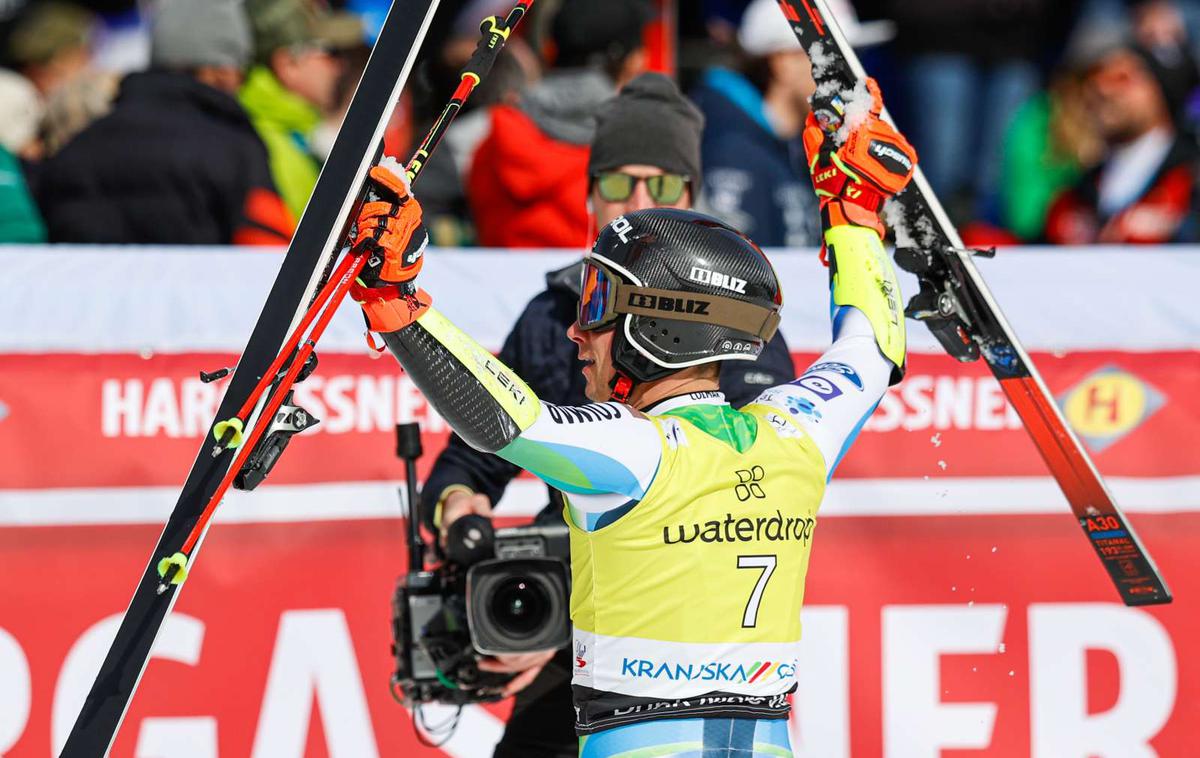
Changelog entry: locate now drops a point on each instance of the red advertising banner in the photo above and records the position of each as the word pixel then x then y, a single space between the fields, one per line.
pixel 123 420
pixel 924 636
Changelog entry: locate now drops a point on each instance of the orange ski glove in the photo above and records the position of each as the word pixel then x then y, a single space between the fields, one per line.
pixel 852 181
pixel 389 231
pixel 389 228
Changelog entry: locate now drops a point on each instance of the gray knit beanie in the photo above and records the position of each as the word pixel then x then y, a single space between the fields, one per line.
pixel 649 123
pixel 192 33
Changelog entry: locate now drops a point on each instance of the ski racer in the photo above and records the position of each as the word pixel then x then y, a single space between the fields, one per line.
pixel 645 154
pixel 691 522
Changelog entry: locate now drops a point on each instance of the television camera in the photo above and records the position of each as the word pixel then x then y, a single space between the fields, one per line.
pixel 495 591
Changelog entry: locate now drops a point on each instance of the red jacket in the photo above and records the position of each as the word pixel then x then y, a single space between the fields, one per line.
pixel 526 189
pixel 1164 212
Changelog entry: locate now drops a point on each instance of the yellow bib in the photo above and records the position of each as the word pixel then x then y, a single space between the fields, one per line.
pixel 697 590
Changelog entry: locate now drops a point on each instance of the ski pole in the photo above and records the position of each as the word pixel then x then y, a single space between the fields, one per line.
pixel 230 433
pixel 494 33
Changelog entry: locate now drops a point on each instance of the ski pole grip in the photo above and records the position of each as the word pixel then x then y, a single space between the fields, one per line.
pixel 495 34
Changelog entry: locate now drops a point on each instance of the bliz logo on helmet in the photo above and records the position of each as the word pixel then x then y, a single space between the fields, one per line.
pixel 890 157
pixel 668 304
pixel 717 279
pixel 622 227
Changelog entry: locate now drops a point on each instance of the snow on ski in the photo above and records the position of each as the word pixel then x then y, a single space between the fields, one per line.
pixel 305 269
pixel 957 306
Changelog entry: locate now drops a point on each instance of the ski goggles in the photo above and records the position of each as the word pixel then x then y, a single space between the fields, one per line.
pixel 604 297
pixel 615 187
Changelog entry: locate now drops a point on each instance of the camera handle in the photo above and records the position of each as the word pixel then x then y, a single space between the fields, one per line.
pixel 408 447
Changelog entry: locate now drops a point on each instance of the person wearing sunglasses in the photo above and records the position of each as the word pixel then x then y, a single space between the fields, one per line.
pixel 645 154
pixel 691 522
pixel 662 189
pixel 294 80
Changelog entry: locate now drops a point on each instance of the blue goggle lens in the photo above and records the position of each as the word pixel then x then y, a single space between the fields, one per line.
pixel 594 293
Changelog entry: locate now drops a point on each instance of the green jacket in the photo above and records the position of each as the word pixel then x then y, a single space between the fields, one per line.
pixel 19 219
pixel 284 121
pixel 1033 172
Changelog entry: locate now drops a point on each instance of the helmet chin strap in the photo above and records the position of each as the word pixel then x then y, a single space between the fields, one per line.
pixel 621 386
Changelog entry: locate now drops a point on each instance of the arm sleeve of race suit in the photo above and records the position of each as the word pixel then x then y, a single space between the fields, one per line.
pixel 534 348
pixel 602 455
pixel 836 395
pixel 862 278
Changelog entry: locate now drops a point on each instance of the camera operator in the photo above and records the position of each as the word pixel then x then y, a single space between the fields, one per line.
pixel 645 154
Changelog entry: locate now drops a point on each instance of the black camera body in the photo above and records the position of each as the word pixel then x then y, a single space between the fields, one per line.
pixel 502 591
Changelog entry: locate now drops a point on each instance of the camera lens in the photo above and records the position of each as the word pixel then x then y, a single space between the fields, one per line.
pixel 519 606
pixel 515 605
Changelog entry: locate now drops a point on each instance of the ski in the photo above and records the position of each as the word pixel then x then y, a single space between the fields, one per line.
pixel 956 305
pixel 257 417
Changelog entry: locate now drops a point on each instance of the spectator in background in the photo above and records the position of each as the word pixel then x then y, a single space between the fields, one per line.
pixel 1049 144
pixel 444 199
pixel 969 65
pixel 352 60
pixel 51 44
pixel 1159 27
pixel 21 106
pixel 1144 189
pixel 19 220
pixel 528 181
pixel 177 161
pixel 755 173
pixel 651 132
pixel 1158 24
pixel 443 192
pixel 71 107
pixel 293 82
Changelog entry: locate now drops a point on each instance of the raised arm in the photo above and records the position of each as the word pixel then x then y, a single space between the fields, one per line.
pixel 603 454
pixel 461 476
pixel 837 394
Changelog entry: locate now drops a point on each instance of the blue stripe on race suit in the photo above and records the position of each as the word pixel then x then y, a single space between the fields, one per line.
pixel 573 469
pixel 601 455
pixel 850 440
pixel 604 473
pixel 836 314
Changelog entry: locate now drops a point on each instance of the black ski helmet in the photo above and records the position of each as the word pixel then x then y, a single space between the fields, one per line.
pixel 681 288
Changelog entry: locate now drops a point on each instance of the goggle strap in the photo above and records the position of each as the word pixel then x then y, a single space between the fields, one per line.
pixel 691 306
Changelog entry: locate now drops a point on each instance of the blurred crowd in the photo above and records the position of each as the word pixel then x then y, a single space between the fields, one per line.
pixel 207 121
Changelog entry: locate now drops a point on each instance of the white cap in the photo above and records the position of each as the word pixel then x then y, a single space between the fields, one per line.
pixel 764 30
pixel 22 108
